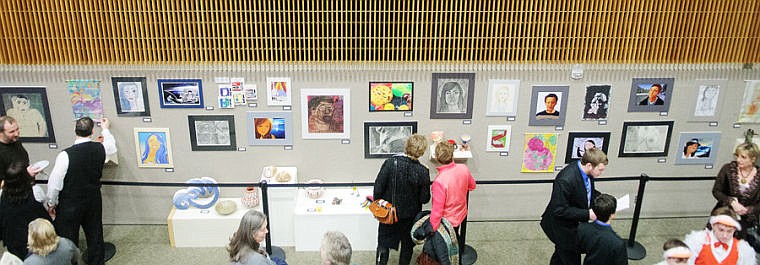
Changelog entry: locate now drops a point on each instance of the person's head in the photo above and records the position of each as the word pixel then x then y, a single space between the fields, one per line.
pixel 263 126
pixel 691 147
pixel 654 91
pixel 249 235
pixel 335 249
pixel 594 162
pixel 42 238
pixel 20 102
pixel 724 227
pixel 551 102
pixel 84 127
pixel 322 107
pixel 17 185
pixel 155 143
pixel 588 144
pixel 676 252
pixel 604 207
pixel 9 133
pixel 129 91
pixel 444 152
pixel 709 92
pixel 415 146
pixel 746 154
pixel 452 96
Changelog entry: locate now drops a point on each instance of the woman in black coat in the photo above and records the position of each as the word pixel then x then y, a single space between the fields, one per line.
pixel 404 182
pixel 18 208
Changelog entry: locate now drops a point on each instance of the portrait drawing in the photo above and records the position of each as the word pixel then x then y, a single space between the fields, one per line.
pixel 153 146
pixel 29 106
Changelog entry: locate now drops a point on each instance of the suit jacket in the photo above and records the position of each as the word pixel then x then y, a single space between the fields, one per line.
pixel 601 245
pixel 568 206
pixel 645 102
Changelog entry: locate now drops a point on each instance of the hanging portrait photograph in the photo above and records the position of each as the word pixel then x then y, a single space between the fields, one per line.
pixel 579 142
pixel 270 127
pixel 391 96
pixel 385 139
pixel 181 93
pixel 29 106
pixel 212 132
pixel 502 97
pixel 153 147
pixel 645 139
pixel 650 94
pixel 596 102
pixel 452 95
pixel 548 105
pixel 325 113
pixel 131 96
pixel 697 148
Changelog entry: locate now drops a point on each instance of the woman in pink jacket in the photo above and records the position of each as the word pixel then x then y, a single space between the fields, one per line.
pixel 450 189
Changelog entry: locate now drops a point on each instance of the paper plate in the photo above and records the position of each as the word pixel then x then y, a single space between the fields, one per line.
pixel 42 164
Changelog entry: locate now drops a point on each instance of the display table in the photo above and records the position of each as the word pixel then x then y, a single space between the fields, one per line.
pixel 315 217
pixel 204 227
pixel 282 201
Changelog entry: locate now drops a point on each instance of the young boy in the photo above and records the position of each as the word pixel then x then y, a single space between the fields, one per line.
pixel 717 245
pixel 602 245
pixel 676 252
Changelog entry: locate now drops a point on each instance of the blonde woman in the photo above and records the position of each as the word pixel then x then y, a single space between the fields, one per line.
pixel 47 248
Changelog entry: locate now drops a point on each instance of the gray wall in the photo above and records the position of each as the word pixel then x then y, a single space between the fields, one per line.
pixel 336 162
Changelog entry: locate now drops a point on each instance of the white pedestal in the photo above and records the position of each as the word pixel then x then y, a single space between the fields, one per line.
pixel 315 217
pixel 282 201
pixel 204 227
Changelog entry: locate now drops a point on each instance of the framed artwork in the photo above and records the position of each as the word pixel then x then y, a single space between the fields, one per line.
pixel 539 152
pixel 646 138
pixel 548 105
pixel 452 95
pixel 325 114
pixel 596 102
pixel 270 127
pixel 750 103
pixel 181 93
pixel 279 91
pixel 579 142
pixel 697 148
pixel 502 97
pixel 153 147
pixel 29 106
pixel 212 132
pixel 131 96
pixel 499 138
pixel 708 98
pixel 385 139
pixel 85 98
pixel 391 96
pixel 650 94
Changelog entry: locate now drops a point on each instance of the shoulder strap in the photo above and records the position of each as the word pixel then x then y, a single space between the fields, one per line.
pixel 395 172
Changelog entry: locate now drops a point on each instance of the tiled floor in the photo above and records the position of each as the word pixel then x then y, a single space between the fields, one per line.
pixel 512 242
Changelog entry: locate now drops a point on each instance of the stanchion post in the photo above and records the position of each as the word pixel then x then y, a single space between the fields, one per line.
pixel 636 251
pixel 265 207
pixel 467 255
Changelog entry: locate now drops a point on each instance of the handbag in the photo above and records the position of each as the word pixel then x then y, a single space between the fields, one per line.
pixel 425 259
pixel 384 211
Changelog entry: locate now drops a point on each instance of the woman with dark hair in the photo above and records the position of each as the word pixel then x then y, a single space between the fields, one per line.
pixel 690 149
pixel 451 99
pixel 263 128
pixel 17 208
pixel 244 247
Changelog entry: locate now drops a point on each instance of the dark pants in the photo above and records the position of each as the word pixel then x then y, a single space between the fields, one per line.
pixel 87 213
pixel 390 236
pixel 565 256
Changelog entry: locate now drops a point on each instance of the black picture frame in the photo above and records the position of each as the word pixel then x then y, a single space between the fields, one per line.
pixel 212 132
pixel 180 93
pixel 126 107
pixel 377 145
pixel 32 120
pixel 443 82
pixel 645 139
pixel 399 98
pixel 576 140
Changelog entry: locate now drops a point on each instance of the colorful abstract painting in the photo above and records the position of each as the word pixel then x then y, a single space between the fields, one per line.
pixel 750 103
pixel 540 152
pixel 84 95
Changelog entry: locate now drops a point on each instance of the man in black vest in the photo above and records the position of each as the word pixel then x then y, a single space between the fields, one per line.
pixel 74 188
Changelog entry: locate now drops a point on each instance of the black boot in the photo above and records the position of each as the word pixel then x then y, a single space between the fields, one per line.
pixel 381 256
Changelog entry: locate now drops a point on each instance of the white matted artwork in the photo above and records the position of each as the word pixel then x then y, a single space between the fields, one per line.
pixel 697 148
pixel 499 138
pixel 325 113
pixel 750 103
pixel 279 91
pixel 502 97
pixel 707 99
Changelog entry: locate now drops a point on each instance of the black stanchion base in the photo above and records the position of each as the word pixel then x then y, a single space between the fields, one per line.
pixel 109 250
pixel 469 255
pixel 635 251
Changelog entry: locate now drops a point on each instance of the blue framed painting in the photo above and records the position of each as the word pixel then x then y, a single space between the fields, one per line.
pixel 180 93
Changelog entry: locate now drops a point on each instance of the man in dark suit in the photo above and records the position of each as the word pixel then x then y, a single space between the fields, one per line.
pixel 654 96
pixel 572 193
pixel 600 243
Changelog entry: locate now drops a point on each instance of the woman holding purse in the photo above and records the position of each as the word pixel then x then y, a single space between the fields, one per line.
pixel 404 182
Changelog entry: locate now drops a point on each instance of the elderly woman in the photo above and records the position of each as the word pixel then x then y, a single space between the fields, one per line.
pixel 335 249
pixel 404 182
pixel 244 244
pixel 737 185
pixel 46 247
